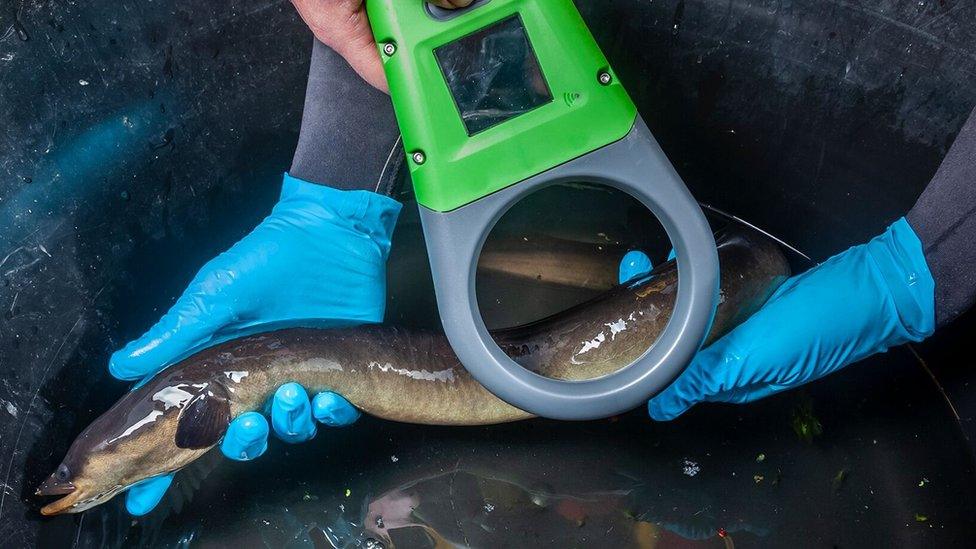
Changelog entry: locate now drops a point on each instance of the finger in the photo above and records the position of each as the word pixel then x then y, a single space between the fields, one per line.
pixel 451 4
pixel 246 438
pixel 188 324
pixel 747 364
pixel 145 495
pixel 365 60
pixel 291 414
pixel 710 373
pixel 634 264
pixel 334 410
pixel 677 399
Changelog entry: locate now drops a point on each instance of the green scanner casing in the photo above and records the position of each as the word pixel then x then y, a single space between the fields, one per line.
pixel 498 100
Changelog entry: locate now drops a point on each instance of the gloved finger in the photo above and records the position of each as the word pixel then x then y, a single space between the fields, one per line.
pixel 191 321
pixel 334 410
pixel 635 263
pixel 246 438
pixel 749 363
pixel 699 382
pixel 291 414
pixel 677 399
pixel 145 495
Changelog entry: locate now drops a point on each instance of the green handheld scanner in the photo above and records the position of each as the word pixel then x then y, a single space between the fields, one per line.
pixel 498 100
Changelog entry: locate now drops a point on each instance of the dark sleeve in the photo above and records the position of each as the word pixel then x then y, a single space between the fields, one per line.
pixel 349 138
pixel 945 220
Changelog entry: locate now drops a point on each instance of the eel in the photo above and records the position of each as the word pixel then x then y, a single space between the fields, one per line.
pixel 389 372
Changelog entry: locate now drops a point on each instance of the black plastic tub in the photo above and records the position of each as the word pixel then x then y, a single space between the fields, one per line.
pixel 137 140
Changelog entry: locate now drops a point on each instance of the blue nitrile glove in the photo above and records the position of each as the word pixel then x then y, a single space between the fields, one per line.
pixel 319 260
pixel 855 304
pixel 634 263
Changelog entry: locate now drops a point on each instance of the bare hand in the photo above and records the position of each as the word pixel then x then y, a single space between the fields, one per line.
pixel 343 26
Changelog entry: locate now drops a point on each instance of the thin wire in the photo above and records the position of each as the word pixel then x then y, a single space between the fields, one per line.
pixel 379 181
pixel 737 219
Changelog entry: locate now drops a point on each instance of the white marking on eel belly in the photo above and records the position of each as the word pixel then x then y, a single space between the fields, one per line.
pixel 236 376
pixel 444 376
pixel 589 346
pixel 616 327
pixel 173 396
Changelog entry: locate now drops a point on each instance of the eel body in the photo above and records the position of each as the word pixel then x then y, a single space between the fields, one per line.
pixel 389 372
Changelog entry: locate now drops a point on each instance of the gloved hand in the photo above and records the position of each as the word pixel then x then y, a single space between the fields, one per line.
pixel 319 259
pixel 855 304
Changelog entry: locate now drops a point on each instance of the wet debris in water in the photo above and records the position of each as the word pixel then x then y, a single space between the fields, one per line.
pixel 758 478
pixel 690 468
pixel 839 479
pixel 760 458
pixel 805 424
pixel 21 31
pixel 923 482
pixel 165 141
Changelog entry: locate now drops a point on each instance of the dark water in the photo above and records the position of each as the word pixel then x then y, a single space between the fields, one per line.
pixel 889 469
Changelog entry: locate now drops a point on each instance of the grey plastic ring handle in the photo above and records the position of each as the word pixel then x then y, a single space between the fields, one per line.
pixel 637 165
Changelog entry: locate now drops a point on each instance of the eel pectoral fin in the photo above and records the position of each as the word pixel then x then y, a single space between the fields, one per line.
pixel 204 420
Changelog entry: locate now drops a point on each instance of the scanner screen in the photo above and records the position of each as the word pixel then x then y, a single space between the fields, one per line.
pixel 493 74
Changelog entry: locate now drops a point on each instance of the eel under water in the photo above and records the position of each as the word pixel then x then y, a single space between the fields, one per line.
pixel 389 372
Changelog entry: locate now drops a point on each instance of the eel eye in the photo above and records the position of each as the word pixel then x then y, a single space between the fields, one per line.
pixel 62 474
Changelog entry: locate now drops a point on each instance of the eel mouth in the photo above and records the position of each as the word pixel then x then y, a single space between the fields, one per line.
pixel 62 505
pixel 75 499
pixel 53 486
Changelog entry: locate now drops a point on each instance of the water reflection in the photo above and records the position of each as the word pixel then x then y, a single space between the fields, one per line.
pixel 718 477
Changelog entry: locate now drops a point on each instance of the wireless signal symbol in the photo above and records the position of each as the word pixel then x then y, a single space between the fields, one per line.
pixel 571 98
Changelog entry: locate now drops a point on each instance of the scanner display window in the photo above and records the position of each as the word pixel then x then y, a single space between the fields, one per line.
pixel 493 74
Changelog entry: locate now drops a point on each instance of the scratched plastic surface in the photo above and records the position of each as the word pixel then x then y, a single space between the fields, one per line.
pixel 138 139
